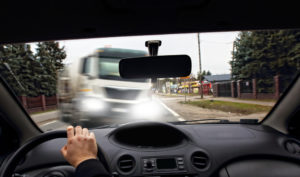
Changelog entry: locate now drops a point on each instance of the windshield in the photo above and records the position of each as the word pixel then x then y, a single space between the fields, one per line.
pixel 237 77
pixel 109 69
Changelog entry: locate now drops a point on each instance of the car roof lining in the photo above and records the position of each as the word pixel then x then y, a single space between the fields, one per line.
pixel 39 21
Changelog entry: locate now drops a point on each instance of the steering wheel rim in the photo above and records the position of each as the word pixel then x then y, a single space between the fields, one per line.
pixel 11 164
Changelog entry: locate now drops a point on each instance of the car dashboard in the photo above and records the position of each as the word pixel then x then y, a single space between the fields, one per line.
pixel 162 149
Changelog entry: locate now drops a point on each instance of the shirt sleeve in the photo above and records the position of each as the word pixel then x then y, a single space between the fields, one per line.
pixel 91 168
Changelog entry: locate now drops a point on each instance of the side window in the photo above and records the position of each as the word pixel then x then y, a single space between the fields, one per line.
pixel 87 67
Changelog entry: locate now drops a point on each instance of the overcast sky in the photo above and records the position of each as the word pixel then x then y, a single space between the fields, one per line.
pixel 215 48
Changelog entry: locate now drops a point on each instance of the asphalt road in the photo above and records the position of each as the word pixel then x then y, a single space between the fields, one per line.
pixel 169 110
pixel 50 120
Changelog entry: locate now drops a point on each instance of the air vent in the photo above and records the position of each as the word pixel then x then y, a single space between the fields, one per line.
pixel 200 160
pixel 126 163
pixel 292 147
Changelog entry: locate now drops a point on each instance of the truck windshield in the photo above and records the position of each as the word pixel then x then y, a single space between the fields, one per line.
pixel 109 69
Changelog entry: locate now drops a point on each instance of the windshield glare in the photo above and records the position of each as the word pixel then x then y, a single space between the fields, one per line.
pixel 236 77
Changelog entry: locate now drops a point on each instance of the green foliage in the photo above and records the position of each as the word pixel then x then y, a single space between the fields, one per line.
pixel 50 57
pixel 204 73
pixel 264 54
pixel 11 56
pixel 27 74
pixel 37 74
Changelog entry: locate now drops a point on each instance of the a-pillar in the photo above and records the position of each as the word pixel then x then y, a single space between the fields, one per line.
pixel 24 101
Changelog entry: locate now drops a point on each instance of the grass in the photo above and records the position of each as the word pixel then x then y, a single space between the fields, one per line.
pixel 263 100
pixel 227 106
pixel 180 94
pixel 189 94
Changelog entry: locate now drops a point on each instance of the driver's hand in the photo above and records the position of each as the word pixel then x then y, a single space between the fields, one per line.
pixel 81 146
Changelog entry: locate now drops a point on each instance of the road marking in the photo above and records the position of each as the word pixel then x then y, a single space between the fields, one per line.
pixel 167 108
pixel 181 119
pixel 51 122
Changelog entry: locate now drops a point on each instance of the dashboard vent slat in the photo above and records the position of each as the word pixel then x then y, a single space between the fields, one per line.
pixel 204 158
pixel 124 167
pixel 126 163
pixel 198 163
pixel 200 160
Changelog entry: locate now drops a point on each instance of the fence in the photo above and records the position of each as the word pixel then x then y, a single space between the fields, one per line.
pixel 245 89
pixel 252 89
pixel 39 103
pixel 246 86
pixel 222 89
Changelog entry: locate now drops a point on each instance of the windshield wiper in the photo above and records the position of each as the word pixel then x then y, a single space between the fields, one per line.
pixel 107 126
pixel 14 76
pixel 200 120
pixel 211 120
pixel 221 121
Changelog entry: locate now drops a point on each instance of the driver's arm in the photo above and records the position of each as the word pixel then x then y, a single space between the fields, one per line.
pixel 81 152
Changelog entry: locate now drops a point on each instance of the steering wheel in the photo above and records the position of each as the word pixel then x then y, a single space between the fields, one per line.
pixel 11 164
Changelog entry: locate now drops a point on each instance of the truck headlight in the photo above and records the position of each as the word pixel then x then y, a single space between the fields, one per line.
pixel 92 104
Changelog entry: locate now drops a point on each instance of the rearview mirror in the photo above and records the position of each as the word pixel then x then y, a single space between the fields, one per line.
pixel 155 67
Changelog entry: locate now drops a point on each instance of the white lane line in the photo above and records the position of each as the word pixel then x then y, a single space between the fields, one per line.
pixel 169 109
pixel 51 122
pixel 181 119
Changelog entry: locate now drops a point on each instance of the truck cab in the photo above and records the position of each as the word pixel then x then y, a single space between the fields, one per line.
pixel 99 94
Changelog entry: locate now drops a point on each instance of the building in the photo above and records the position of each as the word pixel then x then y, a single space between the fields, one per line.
pixel 217 78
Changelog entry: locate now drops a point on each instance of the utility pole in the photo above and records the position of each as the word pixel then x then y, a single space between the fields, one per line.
pixel 200 66
pixel 232 58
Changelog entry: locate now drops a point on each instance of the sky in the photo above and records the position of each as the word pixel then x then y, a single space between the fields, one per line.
pixel 215 48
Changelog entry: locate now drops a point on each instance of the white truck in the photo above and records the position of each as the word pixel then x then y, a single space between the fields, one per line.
pixel 91 89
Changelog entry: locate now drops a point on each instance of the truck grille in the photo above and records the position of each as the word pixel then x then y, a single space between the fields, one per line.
pixel 123 94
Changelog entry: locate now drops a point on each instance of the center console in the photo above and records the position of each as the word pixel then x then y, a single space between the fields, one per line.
pixel 163 165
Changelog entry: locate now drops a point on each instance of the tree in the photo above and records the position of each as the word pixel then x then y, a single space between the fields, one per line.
pixel 11 61
pixel 241 55
pixel 204 73
pixel 51 57
pixel 47 76
pixel 28 74
pixel 264 54
pixel 57 54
